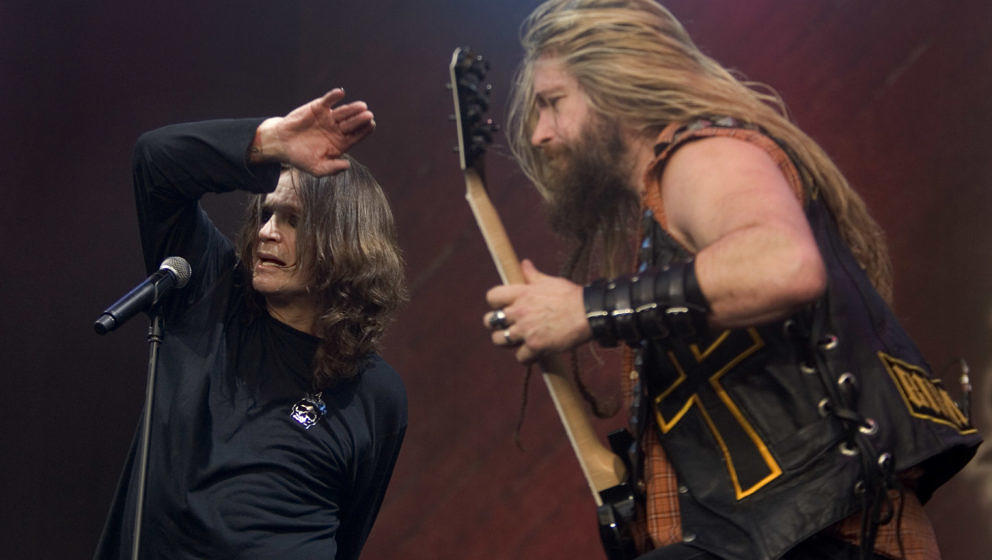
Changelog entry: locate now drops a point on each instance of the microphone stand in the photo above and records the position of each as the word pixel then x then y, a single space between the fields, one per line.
pixel 154 340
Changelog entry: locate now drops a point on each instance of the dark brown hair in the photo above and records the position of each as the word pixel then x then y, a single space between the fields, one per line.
pixel 346 232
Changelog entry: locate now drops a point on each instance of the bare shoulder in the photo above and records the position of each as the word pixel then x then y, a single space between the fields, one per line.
pixel 716 155
pixel 714 185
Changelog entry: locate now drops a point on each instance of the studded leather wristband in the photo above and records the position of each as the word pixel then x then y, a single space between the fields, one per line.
pixel 598 315
pixel 651 305
pixel 649 313
pixel 685 308
pixel 624 317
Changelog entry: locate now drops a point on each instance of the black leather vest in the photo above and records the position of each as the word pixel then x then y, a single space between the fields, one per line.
pixel 779 431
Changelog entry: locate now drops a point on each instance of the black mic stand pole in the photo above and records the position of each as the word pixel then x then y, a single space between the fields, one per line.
pixel 154 340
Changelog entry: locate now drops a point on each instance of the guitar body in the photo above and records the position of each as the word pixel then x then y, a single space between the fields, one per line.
pixel 603 468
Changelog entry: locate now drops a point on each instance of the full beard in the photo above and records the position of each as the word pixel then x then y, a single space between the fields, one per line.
pixel 590 195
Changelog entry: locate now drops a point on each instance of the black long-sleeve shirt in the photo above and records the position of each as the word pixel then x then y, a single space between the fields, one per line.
pixel 232 473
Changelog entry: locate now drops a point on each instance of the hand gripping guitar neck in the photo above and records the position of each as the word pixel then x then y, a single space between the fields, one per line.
pixel 603 469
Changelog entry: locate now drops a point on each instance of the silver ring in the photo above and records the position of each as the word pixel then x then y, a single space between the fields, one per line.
pixel 498 320
pixel 506 337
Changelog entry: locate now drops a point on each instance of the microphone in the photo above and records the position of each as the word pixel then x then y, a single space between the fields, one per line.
pixel 173 273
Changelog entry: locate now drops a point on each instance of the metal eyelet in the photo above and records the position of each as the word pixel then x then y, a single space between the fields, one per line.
pixel 829 342
pixel 847 379
pixel 847 448
pixel 824 407
pixel 859 488
pixel 869 428
pixel 885 462
pixel 806 368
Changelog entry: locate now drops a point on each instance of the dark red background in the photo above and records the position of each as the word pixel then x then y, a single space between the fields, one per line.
pixel 898 91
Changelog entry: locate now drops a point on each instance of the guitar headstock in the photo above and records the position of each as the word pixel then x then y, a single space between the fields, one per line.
pixel 471 96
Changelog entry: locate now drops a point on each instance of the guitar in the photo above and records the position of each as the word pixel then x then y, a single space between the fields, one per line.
pixel 603 469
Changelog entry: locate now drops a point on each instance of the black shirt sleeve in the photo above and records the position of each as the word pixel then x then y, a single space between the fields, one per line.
pixel 173 167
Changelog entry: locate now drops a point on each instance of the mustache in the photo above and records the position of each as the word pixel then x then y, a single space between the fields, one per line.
pixel 553 152
pixel 587 184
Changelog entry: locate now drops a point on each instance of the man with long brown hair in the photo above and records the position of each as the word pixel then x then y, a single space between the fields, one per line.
pixel 780 409
pixel 276 424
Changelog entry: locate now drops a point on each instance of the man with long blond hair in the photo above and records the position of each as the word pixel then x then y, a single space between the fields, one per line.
pixel 276 424
pixel 780 410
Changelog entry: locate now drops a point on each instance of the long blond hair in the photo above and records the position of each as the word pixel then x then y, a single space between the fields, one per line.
pixel 639 67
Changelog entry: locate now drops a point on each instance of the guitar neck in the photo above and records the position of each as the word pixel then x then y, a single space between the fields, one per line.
pixel 600 466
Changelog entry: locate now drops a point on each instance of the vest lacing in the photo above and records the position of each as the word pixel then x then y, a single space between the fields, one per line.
pixel 841 403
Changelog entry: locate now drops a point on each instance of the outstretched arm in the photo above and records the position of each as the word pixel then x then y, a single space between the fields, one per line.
pixel 314 136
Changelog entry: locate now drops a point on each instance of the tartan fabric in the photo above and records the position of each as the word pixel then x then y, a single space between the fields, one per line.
pixel 662 523
pixel 662 503
pixel 918 539
pixel 662 519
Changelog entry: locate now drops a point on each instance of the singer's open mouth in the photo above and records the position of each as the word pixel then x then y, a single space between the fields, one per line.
pixel 270 260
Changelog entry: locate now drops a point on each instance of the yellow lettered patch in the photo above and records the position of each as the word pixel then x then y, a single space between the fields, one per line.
pixel 925 397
